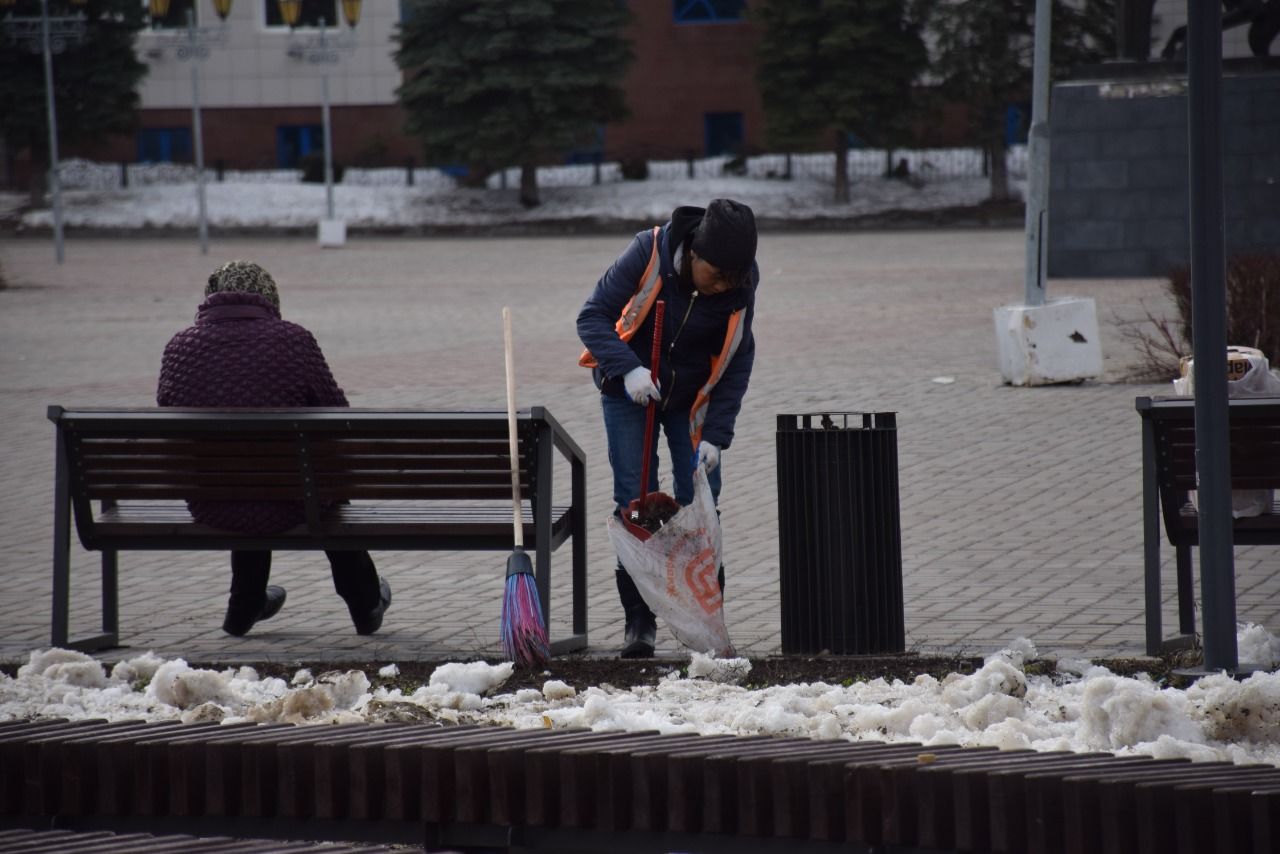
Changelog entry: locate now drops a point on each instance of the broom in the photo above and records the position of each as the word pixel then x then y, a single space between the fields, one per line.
pixel 524 634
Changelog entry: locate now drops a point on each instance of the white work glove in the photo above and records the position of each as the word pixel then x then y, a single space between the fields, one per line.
pixel 708 455
pixel 640 386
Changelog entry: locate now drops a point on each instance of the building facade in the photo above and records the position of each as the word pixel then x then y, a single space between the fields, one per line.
pixel 691 90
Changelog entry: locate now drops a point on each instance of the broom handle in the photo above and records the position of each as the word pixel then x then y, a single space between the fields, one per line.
pixel 516 517
pixel 654 356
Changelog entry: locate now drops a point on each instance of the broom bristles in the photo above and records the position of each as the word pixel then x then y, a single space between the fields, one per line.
pixel 524 635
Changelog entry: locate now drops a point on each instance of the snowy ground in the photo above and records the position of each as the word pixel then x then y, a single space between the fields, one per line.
pixel 164 196
pixel 1082 707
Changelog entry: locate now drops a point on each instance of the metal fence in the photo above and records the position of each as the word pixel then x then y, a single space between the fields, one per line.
pixel 931 164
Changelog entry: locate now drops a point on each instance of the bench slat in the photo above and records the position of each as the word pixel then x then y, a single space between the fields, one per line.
pixel 186 463
pixel 88 447
pixel 461 445
pixel 254 479
pixel 400 463
pixel 484 520
pixel 190 492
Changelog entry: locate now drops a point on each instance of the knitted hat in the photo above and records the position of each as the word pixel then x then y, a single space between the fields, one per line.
pixel 726 237
pixel 244 277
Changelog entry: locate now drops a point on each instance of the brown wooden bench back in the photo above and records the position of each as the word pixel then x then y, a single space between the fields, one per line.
pixel 275 465
pixel 319 457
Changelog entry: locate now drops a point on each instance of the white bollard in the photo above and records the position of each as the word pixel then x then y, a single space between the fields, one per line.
pixel 332 233
pixel 1057 342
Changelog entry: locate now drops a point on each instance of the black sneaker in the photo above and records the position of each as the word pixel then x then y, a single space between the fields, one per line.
pixel 370 621
pixel 238 624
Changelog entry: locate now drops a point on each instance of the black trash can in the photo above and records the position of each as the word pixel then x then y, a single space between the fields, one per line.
pixel 839 533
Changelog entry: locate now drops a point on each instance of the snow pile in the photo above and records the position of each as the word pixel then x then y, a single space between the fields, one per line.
pixel 1080 707
pixel 163 195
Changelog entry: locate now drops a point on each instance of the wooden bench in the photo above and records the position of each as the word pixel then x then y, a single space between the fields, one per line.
pixel 1169 473
pixel 415 481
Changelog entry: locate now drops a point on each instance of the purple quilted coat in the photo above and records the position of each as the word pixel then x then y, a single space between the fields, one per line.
pixel 240 353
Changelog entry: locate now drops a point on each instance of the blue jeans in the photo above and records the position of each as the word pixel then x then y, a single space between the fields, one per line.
pixel 624 427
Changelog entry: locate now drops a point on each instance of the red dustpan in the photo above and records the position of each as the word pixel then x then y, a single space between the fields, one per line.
pixel 646 514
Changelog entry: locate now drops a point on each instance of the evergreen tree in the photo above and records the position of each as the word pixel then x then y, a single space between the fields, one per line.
pixel 498 82
pixel 842 65
pixel 984 55
pixel 94 81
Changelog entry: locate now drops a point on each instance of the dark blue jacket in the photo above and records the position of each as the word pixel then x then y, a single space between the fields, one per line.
pixel 693 330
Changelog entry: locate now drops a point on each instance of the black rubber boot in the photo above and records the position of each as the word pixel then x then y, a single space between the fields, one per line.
pixel 642 626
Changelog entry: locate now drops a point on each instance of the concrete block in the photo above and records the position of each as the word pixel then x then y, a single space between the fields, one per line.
pixel 1160 233
pixel 1133 144
pixel 1123 263
pixel 332 233
pixel 1068 206
pixel 1068 147
pixel 1057 342
pixel 1160 173
pixel 1098 175
pixel 1089 235
pixel 1057 177
pixel 1237 106
pixel 1121 204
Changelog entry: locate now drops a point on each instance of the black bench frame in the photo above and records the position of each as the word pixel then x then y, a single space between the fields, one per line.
pixel 452 489
pixel 1169 472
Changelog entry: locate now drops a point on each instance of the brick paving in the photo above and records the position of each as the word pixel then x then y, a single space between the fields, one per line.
pixel 1020 507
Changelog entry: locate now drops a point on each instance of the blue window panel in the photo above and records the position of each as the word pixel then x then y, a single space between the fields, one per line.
pixel 164 145
pixel 723 132
pixel 1017 122
pixel 294 142
pixel 707 11
pixel 588 153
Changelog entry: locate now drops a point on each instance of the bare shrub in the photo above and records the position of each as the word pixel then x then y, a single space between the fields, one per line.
pixel 1253 316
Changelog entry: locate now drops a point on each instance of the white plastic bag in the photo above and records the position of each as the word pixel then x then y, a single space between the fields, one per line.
pixel 675 570
pixel 1258 381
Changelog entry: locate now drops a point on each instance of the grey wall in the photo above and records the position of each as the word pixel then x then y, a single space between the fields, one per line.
pixel 1118 177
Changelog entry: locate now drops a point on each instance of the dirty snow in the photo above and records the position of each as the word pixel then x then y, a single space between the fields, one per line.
pixel 1081 707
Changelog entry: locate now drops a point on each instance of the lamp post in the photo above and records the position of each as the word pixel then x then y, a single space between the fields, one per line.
pixel 48 35
pixel 324 51
pixel 193 47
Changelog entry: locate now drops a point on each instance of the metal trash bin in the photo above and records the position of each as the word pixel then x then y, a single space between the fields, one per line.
pixel 839 533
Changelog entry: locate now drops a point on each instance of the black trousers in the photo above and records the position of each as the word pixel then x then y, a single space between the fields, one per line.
pixel 354 577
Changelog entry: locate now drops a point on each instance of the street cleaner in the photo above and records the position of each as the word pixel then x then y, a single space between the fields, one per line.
pixel 701 265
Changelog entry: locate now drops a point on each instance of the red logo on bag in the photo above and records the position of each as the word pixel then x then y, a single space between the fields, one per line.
pixel 698 574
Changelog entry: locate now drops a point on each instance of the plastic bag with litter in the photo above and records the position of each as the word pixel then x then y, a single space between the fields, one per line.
pixel 675 570
pixel 1256 379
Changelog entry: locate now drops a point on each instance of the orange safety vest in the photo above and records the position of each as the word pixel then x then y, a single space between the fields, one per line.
pixel 633 316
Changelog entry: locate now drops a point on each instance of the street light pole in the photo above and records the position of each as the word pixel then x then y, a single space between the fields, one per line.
pixel 1037 213
pixel 328 137
pixel 55 180
pixel 198 130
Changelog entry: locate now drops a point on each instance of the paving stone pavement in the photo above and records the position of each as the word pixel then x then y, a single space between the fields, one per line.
pixel 1020 507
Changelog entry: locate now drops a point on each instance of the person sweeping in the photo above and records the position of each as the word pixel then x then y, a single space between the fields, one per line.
pixel 702 264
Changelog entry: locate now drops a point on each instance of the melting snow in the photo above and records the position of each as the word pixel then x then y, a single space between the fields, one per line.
pixel 1081 707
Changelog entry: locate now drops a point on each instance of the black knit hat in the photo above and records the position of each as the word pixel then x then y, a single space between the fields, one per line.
pixel 726 237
